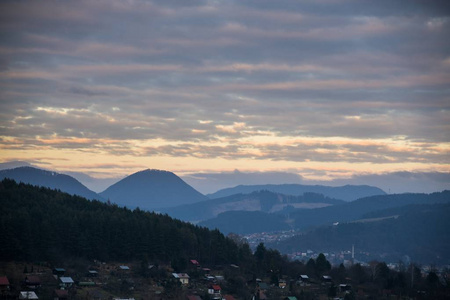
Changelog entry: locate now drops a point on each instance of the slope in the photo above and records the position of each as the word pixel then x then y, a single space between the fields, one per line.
pixel 420 231
pixel 48 225
pixel 49 179
pixel 152 189
pixel 308 218
pixel 262 201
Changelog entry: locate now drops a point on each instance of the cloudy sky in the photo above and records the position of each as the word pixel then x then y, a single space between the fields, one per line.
pixel 323 89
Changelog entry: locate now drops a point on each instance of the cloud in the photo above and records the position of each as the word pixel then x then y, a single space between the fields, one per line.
pixel 134 78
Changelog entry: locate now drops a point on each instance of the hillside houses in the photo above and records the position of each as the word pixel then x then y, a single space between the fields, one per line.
pixel 221 283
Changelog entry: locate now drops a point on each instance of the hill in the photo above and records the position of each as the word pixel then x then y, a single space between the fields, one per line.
pixel 357 209
pixel 308 218
pixel 346 193
pixel 246 222
pixel 49 179
pixel 44 224
pixel 262 201
pixel 420 231
pixel 152 190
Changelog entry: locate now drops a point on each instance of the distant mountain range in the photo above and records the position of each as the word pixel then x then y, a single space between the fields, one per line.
pixel 304 219
pixel 346 193
pixel 152 190
pixel 259 201
pixel 49 179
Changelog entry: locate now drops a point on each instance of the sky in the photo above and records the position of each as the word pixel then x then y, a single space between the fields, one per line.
pixel 307 91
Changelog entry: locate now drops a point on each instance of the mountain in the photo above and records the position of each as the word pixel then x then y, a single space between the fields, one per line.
pixel 262 201
pixel 49 179
pixel 309 218
pixel 419 231
pixel 346 192
pixel 152 189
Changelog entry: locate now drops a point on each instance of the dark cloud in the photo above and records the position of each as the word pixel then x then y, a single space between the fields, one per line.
pixel 204 76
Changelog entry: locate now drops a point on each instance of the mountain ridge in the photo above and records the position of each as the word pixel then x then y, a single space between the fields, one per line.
pixel 350 211
pixel 262 201
pixel 49 179
pixel 346 192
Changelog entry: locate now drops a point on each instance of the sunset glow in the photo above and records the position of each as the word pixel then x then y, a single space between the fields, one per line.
pixel 323 89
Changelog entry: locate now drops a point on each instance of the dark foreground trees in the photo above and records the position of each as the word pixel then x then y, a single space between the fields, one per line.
pixel 44 224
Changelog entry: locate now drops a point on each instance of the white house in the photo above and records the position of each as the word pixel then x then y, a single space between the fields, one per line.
pixel 183 277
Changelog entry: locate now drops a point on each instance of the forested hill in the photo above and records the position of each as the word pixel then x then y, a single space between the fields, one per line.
pixel 420 231
pixel 43 224
pixel 262 201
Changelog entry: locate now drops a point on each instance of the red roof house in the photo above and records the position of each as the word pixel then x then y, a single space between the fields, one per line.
pixel 4 283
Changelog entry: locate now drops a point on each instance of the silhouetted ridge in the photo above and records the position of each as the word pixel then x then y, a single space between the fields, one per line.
pixel 152 189
pixel 346 192
pixel 49 179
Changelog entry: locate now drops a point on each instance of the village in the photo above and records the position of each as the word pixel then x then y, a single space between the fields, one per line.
pixel 115 281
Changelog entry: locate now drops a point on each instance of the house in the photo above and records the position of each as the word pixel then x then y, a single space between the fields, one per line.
pixel 304 278
pixel 193 297
pixel 290 298
pixel 345 287
pixel 183 277
pixel 228 297
pixel 28 295
pixel 214 289
pixel 58 272
pixel 92 273
pixel 124 268
pixel 206 271
pixel 65 282
pixel 281 283
pixel 32 282
pixel 326 279
pixel 60 294
pixel 4 283
pixel 195 263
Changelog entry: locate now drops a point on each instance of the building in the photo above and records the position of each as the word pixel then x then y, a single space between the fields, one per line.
pixel 58 272
pixel 183 277
pixel 215 291
pixel 66 282
pixel 32 282
pixel 28 295
pixel 4 283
